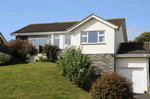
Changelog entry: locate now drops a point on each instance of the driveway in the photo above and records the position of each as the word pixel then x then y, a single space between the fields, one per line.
pixel 141 96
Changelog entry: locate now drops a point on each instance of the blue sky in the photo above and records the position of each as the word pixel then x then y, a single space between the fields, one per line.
pixel 15 14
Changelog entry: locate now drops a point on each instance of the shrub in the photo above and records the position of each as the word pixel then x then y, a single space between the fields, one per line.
pixel 33 51
pixel 76 67
pixel 51 52
pixel 19 44
pixel 3 59
pixel 21 48
pixel 145 92
pixel 112 86
pixel 20 54
pixel 42 59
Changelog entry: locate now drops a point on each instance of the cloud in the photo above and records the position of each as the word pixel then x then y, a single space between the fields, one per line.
pixel 134 31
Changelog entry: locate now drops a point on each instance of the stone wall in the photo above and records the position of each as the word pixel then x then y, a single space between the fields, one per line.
pixel 102 63
pixel 7 55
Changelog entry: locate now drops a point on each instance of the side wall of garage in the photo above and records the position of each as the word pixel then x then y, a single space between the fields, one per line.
pixel 136 70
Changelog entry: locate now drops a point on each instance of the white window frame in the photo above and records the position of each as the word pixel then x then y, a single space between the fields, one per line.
pixel 101 35
pixel 65 38
pixel 57 38
pixel 49 41
pixel 87 36
pixel 84 36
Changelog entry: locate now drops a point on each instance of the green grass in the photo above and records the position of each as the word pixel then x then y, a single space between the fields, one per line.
pixel 149 90
pixel 37 80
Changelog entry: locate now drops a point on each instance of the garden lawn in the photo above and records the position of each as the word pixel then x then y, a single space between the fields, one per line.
pixel 149 90
pixel 37 80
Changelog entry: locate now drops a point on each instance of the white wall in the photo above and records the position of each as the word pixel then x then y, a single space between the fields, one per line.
pixel 62 40
pixel 61 36
pixel 112 39
pixel 143 63
pixel 93 25
pixel 118 38
pixel 130 62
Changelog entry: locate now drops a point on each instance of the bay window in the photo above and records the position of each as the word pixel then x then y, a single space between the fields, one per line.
pixel 92 37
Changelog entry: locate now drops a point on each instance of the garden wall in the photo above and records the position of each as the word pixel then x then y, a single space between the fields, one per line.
pixel 102 63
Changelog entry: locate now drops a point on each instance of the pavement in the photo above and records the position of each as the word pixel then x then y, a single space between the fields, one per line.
pixel 141 96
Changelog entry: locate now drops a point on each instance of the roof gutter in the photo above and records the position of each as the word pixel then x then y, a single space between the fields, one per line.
pixel 132 55
pixel 38 33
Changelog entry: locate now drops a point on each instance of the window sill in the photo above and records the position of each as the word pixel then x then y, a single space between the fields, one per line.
pixel 93 43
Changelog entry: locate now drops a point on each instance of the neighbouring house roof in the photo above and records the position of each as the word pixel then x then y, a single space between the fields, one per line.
pixel 134 48
pixel 2 39
pixel 59 26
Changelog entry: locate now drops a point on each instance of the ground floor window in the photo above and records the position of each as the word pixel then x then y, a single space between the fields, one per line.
pixel 57 40
pixel 36 41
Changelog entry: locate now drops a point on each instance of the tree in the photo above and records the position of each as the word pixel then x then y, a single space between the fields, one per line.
pixel 144 37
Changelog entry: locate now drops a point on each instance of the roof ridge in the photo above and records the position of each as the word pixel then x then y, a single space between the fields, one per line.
pixel 114 19
pixel 54 22
pixel 71 21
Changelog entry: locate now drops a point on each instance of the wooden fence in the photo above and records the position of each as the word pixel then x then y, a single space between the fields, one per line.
pixel 5 49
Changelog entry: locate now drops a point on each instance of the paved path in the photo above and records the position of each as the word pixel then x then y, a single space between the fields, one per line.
pixel 141 96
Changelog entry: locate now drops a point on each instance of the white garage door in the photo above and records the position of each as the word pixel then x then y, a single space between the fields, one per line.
pixel 136 76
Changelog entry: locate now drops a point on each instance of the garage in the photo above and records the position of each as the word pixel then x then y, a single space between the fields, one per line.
pixel 136 76
pixel 132 62
pixel 136 69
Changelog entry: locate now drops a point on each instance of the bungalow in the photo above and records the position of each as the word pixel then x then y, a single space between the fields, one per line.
pixel 103 40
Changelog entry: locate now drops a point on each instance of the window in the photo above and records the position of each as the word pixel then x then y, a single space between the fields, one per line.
pixel 40 41
pixel 93 37
pixel 49 40
pixel 84 37
pixel 68 39
pixel 36 41
pixel 57 40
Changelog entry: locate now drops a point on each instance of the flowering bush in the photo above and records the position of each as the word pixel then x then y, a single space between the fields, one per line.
pixel 19 44
pixel 112 86
pixel 76 67
pixel 21 48
pixel 22 45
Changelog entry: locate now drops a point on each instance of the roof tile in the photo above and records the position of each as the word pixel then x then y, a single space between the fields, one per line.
pixel 58 26
pixel 134 48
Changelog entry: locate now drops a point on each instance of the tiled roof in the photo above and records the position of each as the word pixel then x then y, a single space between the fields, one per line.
pixel 134 48
pixel 46 27
pixel 58 26
pixel 117 21
pixel 2 38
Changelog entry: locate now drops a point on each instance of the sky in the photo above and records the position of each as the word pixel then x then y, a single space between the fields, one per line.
pixel 15 14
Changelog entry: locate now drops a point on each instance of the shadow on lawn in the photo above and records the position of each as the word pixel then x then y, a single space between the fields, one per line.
pixel 9 64
pixel 13 61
